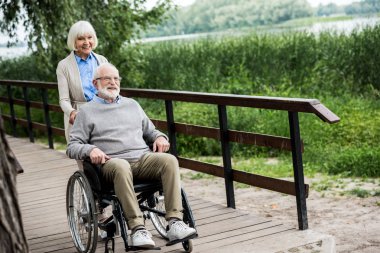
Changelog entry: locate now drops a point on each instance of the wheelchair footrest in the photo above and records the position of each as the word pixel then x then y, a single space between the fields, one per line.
pixel 109 226
pixel 135 248
pixel 182 240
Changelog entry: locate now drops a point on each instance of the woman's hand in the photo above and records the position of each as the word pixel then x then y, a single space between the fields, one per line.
pixel 161 145
pixel 73 114
pixel 98 157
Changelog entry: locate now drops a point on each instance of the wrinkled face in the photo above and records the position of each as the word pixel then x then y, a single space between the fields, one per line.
pixel 84 44
pixel 108 83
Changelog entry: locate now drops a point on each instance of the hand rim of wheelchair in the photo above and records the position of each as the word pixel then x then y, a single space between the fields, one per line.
pixel 82 219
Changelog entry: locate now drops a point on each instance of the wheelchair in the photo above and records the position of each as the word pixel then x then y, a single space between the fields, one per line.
pixel 87 192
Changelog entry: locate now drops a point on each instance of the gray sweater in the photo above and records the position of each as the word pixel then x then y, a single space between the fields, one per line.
pixel 120 130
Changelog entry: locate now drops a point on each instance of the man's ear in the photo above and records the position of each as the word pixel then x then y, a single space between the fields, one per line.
pixel 95 83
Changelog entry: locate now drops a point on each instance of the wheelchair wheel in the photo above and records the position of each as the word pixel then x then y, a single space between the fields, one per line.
pixel 188 217
pixel 188 245
pixel 81 213
pixel 157 202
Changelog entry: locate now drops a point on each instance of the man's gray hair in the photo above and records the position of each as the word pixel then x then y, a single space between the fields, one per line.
pixel 81 28
pixel 102 65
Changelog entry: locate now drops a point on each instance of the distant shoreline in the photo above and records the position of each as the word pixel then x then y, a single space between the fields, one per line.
pixel 345 26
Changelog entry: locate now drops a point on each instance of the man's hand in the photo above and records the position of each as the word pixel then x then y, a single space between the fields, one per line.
pixel 161 145
pixel 98 157
pixel 73 114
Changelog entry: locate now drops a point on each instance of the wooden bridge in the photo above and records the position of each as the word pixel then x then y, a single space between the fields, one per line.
pixel 222 229
pixel 42 196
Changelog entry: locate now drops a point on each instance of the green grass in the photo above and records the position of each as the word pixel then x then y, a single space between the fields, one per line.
pixel 281 167
pixel 361 193
pixel 276 167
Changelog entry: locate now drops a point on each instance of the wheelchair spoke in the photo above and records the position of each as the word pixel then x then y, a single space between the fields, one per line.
pixel 157 202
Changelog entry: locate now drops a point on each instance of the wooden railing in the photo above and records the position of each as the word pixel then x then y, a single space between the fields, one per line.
pixel 223 134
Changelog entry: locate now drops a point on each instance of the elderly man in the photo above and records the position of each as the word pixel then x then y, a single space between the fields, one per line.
pixel 113 130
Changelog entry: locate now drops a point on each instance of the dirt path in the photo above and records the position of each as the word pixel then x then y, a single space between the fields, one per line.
pixel 353 221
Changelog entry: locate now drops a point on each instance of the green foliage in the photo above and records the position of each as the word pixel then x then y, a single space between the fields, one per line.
pixel 356 161
pixel 297 62
pixel 363 7
pixel 218 15
pixel 25 68
pixel 361 193
pixel 327 10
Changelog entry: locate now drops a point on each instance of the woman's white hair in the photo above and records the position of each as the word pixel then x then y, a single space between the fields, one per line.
pixel 81 28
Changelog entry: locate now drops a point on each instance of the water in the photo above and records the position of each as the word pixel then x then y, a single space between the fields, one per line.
pixel 346 26
pixel 13 52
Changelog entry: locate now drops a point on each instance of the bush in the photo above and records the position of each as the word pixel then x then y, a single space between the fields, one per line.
pixel 356 161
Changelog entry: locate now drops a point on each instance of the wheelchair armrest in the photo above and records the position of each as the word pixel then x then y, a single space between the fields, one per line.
pixel 94 176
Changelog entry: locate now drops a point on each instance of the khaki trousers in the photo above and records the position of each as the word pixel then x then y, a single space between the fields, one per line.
pixel 152 166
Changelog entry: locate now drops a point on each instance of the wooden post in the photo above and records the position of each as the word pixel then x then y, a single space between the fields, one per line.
pixel 298 170
pixel 28 114
pixel 44 95
pixel 226 153
pixel 12 110
pixel 12 235
pixel 171 127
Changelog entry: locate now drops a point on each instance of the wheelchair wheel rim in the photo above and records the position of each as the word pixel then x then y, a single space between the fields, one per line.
pixel 81 214
pixel 158 221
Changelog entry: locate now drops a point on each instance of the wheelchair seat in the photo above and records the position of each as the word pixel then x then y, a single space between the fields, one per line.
pixel 100 186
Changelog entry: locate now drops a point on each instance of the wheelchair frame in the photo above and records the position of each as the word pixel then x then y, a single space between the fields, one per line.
pixel 86 188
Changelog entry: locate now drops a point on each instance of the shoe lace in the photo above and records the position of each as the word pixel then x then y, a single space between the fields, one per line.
pixel 143 233
pixel 179 225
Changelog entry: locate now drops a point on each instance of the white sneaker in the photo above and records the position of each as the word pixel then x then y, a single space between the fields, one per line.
pixel 102 235
pixel 179 230
pixel 142 238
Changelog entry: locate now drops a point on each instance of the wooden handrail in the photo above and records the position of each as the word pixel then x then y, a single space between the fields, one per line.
pixel 263 102
pixel 275 103
pixel 30 84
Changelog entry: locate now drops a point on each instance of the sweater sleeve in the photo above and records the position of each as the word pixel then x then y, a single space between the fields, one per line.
pixel 78 147
pixel 63 90
pixel 150 133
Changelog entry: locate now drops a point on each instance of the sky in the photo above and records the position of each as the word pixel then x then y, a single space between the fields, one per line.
pixel 312 2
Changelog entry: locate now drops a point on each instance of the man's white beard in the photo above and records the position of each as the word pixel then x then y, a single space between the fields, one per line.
pixel 104 93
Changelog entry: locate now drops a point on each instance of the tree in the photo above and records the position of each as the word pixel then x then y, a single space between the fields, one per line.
pixel 219 15
pixel 327 10
pixel 12 235
pixel 47 23
pixel 363 7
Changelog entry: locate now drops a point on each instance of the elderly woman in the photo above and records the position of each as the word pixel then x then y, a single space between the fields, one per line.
pixel 75 72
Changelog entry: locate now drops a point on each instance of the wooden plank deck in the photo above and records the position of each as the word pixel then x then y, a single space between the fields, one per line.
pixel 42 190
